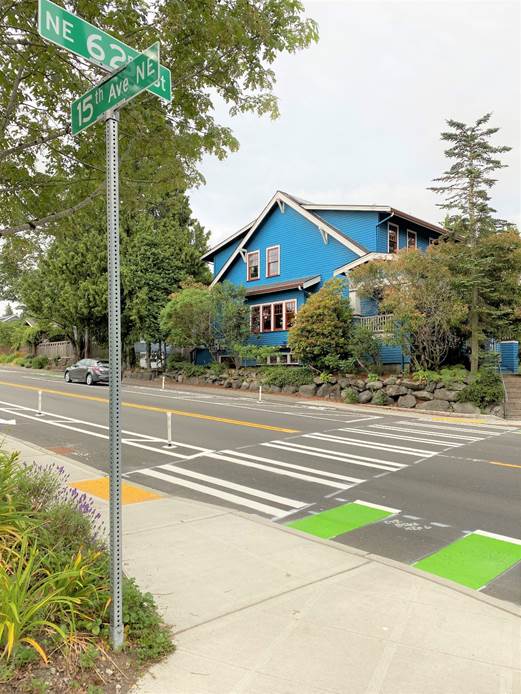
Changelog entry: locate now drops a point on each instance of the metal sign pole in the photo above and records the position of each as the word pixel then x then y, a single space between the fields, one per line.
pixel 116 606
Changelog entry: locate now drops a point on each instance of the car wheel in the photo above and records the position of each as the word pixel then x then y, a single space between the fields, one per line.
pixel 89 380
pixel 67 377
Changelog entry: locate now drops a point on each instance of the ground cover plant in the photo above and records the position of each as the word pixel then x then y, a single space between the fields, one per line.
pixel 54 591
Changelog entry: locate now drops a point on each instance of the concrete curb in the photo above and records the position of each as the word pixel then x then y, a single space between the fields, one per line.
pixel 219 510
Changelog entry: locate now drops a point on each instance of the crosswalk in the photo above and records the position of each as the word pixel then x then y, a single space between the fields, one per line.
pixel 287 475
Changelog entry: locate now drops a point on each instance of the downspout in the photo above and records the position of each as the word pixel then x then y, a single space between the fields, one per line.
pixel 386 219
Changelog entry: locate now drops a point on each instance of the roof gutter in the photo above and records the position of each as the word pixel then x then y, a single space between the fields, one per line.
pixel 386 219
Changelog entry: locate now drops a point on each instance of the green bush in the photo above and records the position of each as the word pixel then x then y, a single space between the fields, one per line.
pixel 485 390
pixel 286 376
pixel 40 362
pixel 380 398
pixel 19 361
pixel 144 626
pixel 189 369
pixel 217 369
pixel 351 396
pixel 173 360
pixel 447 375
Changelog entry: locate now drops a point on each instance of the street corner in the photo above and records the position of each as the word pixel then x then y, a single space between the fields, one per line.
pixel 99 487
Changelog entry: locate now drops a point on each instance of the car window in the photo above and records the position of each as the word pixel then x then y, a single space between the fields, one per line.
pixel 90 362
pixel 82 362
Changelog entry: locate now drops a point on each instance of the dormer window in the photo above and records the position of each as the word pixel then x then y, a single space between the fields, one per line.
pixel 273 261
pixel 253 263
pixel 392 238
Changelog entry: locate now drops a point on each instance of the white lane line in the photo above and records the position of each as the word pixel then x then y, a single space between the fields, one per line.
pixel 440 525
pixel 495 536
pixel 375 445
pixel 450 427
pixel 220 482
pixel 210 491
pixel 470 439
pixel 361 419
pixel 411 517
pixel 378 506
pixel 324 453
pixel 290 513
pixel 365 432
pixel 291 466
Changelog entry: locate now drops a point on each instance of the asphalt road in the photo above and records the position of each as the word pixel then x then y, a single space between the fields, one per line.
pixel 291 460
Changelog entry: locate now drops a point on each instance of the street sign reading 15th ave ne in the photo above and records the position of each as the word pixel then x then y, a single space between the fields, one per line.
pixel 116 90
pixel 78 36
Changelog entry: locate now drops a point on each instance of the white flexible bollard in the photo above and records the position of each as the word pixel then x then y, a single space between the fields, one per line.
pixel 260 394
pixel 39 412
pixel 163 383
pixel 169 443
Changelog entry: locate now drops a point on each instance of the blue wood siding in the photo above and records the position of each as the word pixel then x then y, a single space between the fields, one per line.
pixel 392 355
pixel 303 252
pixel 358 226
pixel 422 234
pixel 223 254
pixel 509 351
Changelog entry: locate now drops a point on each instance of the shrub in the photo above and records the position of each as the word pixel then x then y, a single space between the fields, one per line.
pixel 351 396
pixel 19 361
pixel 217 369
pixel 286 376
pixel 173 360
pixel 143 623
pixel 485 390
pixel 446 375
pixel 380 398
pixel 189 369
pixel 372 377
pixel 40 362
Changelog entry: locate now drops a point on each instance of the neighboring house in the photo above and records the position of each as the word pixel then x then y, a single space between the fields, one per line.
pixel 294 246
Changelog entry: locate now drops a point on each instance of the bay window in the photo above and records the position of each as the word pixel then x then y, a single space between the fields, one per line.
pixel 267 318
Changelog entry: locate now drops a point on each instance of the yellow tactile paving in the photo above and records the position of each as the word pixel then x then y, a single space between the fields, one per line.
pixel 129 493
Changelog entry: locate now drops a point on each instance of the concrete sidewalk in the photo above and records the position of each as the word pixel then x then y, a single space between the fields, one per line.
pixel 261 609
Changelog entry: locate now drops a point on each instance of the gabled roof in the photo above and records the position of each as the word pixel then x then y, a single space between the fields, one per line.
pixel 364 259
pixel 282 198
pixel 225 242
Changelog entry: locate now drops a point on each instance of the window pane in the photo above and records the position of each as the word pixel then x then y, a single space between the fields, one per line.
pixel 266 318
pixel 273 262
pixel 278 316
pixel 393 241
pixel 290 313
pixel 255 319
pixel 411 240
pixel 253 265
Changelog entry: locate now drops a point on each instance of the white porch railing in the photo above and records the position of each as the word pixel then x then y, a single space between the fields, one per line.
pixel 381 323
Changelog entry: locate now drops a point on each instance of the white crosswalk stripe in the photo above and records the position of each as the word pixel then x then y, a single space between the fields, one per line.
pixel 373 445
pixel 316 476
pixel 452 428
pixel 440 434
pixel 334 455
pixel 397 436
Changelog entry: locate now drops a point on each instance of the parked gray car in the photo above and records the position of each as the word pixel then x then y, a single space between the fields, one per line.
pixel 89 371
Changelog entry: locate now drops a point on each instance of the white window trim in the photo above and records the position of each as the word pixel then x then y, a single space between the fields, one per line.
pixel 248 266
pixel 396 228
pixel 272 304
pixel 270 248
pixel 415 233
pixel 432 240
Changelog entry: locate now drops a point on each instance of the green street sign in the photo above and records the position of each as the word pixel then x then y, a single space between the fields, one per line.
pixel 116 90
pixel 78 36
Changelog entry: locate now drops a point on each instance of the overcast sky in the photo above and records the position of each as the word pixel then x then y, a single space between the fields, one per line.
pixel 362 110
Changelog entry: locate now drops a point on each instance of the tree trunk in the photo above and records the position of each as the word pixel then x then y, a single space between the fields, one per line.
pixel 87 343
pixel 474 332
pixel 148 355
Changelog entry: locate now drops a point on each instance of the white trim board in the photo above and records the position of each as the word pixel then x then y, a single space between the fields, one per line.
pixel 364 259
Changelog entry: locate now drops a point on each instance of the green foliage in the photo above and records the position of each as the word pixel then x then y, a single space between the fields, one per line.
pixel 323 326
pixel 485 390
pixel 371 377
pixel 364 347
pixel 189 369
pixel 7 358
pixel 40 362
pixel 286 376
pixel 186 320
pixel 351 396
pixel 230 318
pixel 255 353
pixel 344 366
pixel 217 369
pixel 144 626
pixel 447 375
pixel 380 398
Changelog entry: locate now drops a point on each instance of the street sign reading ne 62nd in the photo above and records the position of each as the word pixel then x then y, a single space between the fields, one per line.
pixel 78 36
pixel 116 90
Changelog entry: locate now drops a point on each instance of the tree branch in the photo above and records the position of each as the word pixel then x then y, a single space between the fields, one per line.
pixel 12 98
pixel 35 143
pixel 43 221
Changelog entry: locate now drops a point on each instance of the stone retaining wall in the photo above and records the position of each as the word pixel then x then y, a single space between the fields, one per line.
pixel 397 391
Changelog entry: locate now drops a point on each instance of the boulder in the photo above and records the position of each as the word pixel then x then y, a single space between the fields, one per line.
pixel 456 385
pixel 423 395
pixel 254 386
pixel 407 401
pixel 343 382
pixel 375 385
pixel 445 394
pixel 391 381
pixel 227 383
pixel 498 411
pixel 274 389
pixel 335 392
pixel 324 390
pixel 394 391
pixel 245 385
pixel 466 408
pixel 350 395
pixel 236 383
pixel 359 383
pixel 308 390
pixel 289 389
pixel 317 380
pixel 435 406
pixel 412 385
pixel 365 396
pixel 380 397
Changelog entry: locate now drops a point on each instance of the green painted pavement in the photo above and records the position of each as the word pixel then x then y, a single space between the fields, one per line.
pixel 473 561
pixel 339 520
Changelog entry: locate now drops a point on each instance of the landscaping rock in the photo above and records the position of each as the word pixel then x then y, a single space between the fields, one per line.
pixel 498 411
pixel 435 405
pixel 358 383
pixel 380 397
pixel 324 390
pixel 445 394
pixel 407 401
pixel 343 382
pixel 394 391
pixel 365 396
pixel 412 385
pixel 423 395
pixel 430 387
pixel 466 408
pixel 375 385
pixel 335 392
pixel 227 384
pixel 236 383
pixel 350 395
pixel 391 381
pixel 317 380
pixel 245 385
pixel 455 385
pixel 308 390
pixel 289 389
pixel 273 389
pixel 254 386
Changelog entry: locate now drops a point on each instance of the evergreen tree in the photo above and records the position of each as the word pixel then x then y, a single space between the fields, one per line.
pixel 465 187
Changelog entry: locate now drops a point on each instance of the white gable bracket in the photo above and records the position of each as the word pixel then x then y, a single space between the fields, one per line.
pixel 324 234
pixel 282 205
pixel 244 254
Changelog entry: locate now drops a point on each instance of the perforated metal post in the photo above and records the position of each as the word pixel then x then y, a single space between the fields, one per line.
pixel 116 607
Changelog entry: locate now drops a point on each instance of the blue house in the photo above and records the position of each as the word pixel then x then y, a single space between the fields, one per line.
pixel 294 246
